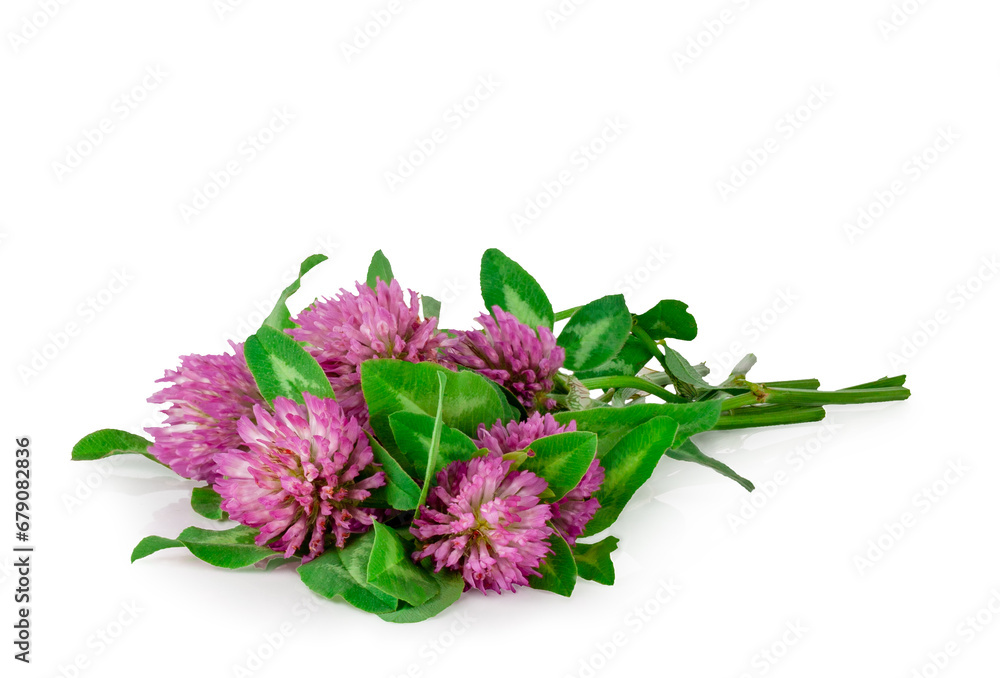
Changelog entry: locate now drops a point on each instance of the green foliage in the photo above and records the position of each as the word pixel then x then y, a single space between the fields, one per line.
pixel 505 284
pixel 108 442
pixel 379 269
pixel 596 333
pixel 392 386
pixel 627 466
pixel 558 569
pixel 280 318
pixel 561 460
pixel 206 502
pixel 281 367
pixel 593 561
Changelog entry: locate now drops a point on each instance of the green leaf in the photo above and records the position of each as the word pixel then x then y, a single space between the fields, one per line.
pixel 627 466
pixel 611 424
pixel 401 492
pixel 682 370
pixel 450 585
pixel 392 386
pixel 281 367
pixel 505 284
pixel 206 502
pixel 344 572
pixel 151 545
pixel 558 569
pixel 688 451
pixel 561 459
pixel 669 319
pixel 392 570
pixel 280 318
pixel 626 363
pixel 232 549
pixel 431 307
pixel 379 269
pixel 414 433
pixel 435 446
pixel 513 410
pixel 593 561
pixel 108 442
pixel 596 333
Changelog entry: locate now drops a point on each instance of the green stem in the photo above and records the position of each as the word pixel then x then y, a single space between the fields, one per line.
pixel 632 382
pixel 568 313
pixel 795 383
pixel 763 393
pixel 739 401
pixel 768 415
pixel 654 348
pixel 881 383
pixel 802 396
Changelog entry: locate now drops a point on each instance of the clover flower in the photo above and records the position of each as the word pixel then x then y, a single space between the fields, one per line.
pixel 485 521
pixel 512 354
pixel 572 512
pixel 208 396
pixel 305 472
pixel 343 332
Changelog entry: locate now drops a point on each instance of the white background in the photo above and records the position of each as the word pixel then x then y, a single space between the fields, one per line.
pixel 645 217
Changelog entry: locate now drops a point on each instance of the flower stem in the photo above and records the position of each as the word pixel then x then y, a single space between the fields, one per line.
pixel 762 393
pixel 768 415
pixel 568 313
pixel 796 383
pixel 632 382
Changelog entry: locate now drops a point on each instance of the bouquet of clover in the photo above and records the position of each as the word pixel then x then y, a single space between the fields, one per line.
pixel 397 464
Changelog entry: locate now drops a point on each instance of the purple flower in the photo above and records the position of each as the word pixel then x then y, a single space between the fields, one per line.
pixel 209 395
pixel 484 520
pixel 572 512
pixel 344 332
pixel 517 435
pixel 305 472
pixel 513 355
